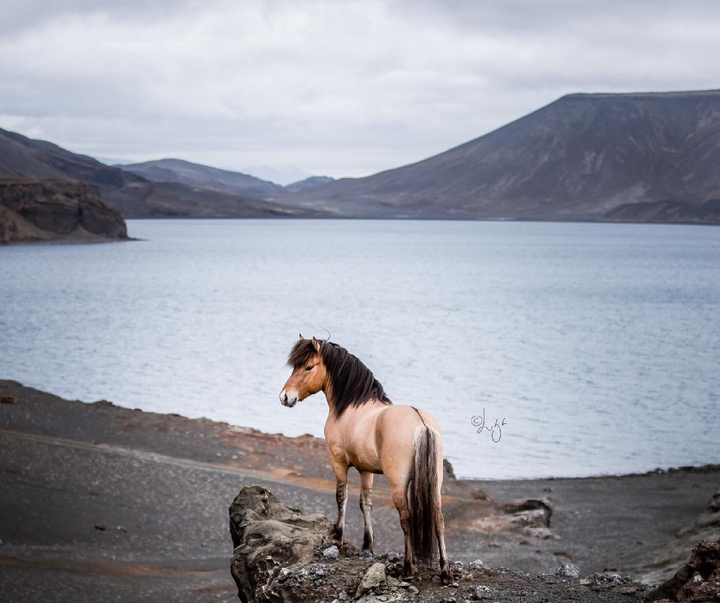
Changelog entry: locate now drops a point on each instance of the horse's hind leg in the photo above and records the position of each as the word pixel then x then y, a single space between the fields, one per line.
pixel 445 573
pixel 366 481
pixel 399 498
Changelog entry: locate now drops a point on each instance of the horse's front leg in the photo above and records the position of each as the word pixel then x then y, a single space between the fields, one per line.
pixel 366 483
pixel 341 496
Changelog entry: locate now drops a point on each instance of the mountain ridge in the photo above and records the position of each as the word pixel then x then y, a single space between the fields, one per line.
pixel 133 195
pixel 204 176
pixel 631 157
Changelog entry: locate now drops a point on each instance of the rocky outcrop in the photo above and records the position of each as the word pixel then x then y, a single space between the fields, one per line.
pixel 269 537
pixel 283 556
pixel 43 210
pixel 698 581
pixel 704 528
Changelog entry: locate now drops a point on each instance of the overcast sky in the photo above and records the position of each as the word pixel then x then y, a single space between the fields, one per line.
pixel 283 89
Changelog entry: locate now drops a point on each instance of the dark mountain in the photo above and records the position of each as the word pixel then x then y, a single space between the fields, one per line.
pixel 202 176
pixel 579 158
pixel 41 197
pixel 133 195
pixel 22 157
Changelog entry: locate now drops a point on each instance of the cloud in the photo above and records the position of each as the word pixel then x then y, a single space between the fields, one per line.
pixel 338 88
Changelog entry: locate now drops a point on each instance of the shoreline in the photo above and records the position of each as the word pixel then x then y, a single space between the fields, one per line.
pixel 99 496
pixel 656 470
pixel 701 468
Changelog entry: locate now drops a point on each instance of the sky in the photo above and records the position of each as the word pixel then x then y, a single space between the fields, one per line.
pixel 284 89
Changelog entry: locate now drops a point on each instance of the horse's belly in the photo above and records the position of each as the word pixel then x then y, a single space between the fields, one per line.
pixel 365 460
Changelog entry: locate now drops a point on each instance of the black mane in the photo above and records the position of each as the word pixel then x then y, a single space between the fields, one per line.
pixel 352 383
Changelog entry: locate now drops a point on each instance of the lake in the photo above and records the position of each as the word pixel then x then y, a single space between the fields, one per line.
pixel 542 349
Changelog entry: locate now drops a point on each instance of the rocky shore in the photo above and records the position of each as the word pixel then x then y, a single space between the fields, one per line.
pixel 56 210
pixel 99 502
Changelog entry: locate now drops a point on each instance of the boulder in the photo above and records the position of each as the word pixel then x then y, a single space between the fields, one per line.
pixel 269 537
pixel 698 581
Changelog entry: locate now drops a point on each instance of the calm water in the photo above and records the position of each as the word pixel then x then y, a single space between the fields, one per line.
pixel 596 345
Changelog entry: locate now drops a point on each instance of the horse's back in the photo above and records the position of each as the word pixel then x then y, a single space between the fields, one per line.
pixel 401 421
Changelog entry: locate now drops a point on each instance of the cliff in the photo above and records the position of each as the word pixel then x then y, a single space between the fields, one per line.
pixel 55 209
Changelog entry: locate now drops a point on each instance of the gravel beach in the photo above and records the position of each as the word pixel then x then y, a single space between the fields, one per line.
pixel 103 503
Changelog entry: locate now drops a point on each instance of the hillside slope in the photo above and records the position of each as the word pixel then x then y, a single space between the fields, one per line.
pixel 133 195
pixel 203 176
pixel 578 158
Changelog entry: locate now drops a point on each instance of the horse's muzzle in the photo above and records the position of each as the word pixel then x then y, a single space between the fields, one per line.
pixel 288 401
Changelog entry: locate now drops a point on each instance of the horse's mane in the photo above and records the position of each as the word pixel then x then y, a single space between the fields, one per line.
pixel 352 383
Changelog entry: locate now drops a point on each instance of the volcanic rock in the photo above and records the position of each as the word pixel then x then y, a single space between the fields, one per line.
pixel 698 581
pixel 269 537
pixel 279 558
pixel 56 209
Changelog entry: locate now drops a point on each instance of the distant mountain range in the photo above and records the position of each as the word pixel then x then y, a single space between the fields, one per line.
pixel 650 157
pixel 200 176
pixel 157 189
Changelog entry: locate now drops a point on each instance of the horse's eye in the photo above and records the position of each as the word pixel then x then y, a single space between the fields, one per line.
pixel 309 368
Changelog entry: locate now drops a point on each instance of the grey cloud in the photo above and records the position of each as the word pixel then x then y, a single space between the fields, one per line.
pixel 339 88
pixel 28 14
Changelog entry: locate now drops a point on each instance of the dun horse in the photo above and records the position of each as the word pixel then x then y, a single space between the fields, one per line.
pixel 366 431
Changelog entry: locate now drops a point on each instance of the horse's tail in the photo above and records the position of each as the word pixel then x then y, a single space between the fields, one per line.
pixel 423 494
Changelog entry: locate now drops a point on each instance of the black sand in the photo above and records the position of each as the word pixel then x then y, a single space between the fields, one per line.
pixel 100 503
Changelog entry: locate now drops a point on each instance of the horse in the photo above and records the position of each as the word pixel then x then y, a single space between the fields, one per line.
pixel 366 431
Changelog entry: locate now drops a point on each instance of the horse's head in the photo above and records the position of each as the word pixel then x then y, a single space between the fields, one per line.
pixel 309 372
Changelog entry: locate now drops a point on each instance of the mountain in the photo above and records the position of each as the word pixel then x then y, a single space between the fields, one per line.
pixel 643 157
pixel 202 176
pixel 22 157
pixel 133 195
pixel 308 183
pixel 580 158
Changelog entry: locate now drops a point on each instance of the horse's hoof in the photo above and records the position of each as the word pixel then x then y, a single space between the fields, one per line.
pixel 408 572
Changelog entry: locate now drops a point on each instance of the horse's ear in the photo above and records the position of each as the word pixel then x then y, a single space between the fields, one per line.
pixel 316 344
pixel 301 337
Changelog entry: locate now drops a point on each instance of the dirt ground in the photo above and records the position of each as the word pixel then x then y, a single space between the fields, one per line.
pixel 102 503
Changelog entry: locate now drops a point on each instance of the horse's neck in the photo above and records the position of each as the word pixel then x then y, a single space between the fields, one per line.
pixel 329 394
pixel 352 411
